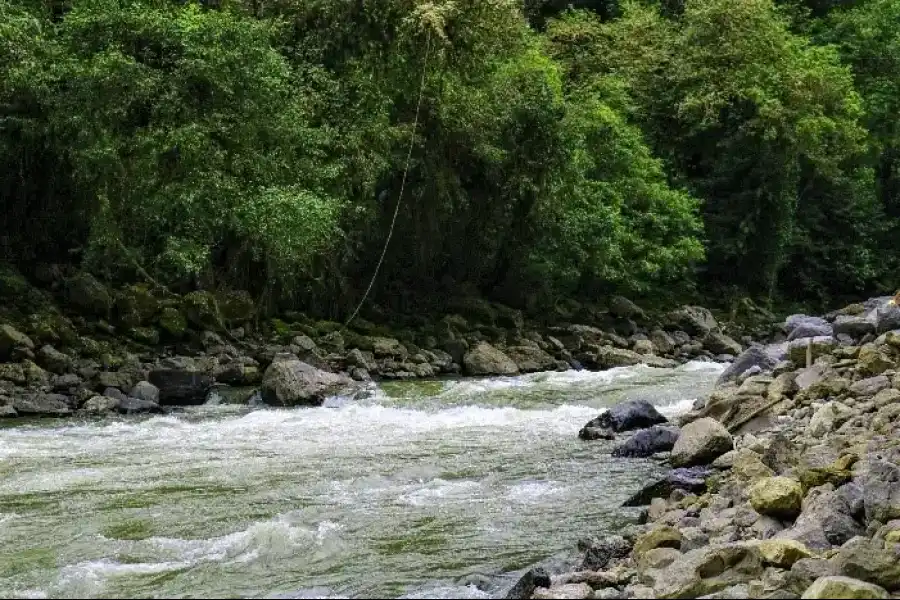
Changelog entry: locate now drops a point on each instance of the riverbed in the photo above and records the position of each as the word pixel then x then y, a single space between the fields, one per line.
pixel 414 490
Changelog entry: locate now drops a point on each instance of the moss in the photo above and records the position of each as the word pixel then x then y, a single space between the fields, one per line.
pixel 12 283
pixel 325 327
pixel 282 330
pixel 50 327
pixel 172 322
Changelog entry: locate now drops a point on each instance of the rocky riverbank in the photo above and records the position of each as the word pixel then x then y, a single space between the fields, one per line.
pixel 69 344
pixel 786 481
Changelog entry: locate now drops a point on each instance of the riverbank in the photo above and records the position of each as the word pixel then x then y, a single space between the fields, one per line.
pixel 72 345
pixel 787 482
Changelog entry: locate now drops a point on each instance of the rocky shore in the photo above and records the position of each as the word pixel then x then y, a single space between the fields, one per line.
pixel 785 481
pixel 70 345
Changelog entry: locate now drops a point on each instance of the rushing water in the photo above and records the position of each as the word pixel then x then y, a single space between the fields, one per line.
pixel 408 492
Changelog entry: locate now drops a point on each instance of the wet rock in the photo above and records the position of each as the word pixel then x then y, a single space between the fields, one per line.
pixel 144 390
pixel 533 578
pixel 100 405
pixel 291 382
pixel 691 480
pixel 133 406
pixel 599 552
pixel 181 387
pixel 626 416
pixel 709 570
pixel 484 359
pixel 41 405
pixel 648 442
pixel 531 359
pixel 755 356
pixel 843 587
pixel 701 442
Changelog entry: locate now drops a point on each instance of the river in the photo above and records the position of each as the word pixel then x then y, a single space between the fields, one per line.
pixel 409 491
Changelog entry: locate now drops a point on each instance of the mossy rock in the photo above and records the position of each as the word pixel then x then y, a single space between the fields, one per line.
pixel 52 328
pixel 172 322
pixel 90 347
pixel 136 305
pixel 12 283
pixel 144 335
pixel 202 310
pixel 86 293
pixel 284 331
pixel 236 306
pixel 325 327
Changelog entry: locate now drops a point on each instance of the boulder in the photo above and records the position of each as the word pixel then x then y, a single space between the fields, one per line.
pixel 691 480
pixel 598 552
pixel 662 341
pixel 811 329
pixel 826 520
pixel 202 310
pixel 873 360
pixel 136 305
pixel 144 390
pixel 648 442
pixel 86 293
pixel 856 326
pixel 887 318
pixel 626 416
pixel 869 560
pixel 39 404
pixel 827 418
pixel 765 358
pixel 695 320
pixel 796 321
pixel 881 491
pixel 484 359
pixel 621 306
pixel 719 343
pixel 836 586
pixel 173 322
pixel 523 589
pixel 291 382
pixel 53 360
pixel 805 571
pixel 701 442
pixel 709 570
pixel 778 497
pixel 869 386
pixel 662 536
pixel 643 347
pixel 100 405
pixel 531 359
pixel 798 350
pixel 180 387
pixel 783 553
pixel 133 406
pixel 12 339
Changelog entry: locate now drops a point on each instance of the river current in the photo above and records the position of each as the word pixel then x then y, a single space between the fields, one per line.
pixel 412 492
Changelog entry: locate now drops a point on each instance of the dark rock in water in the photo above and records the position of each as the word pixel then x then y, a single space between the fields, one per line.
pixel 133 406
pixel 598 552
pixel 181 387
pixel 596 433
pixel 629 415
pixel 764 357
pixel 42 405
pixel 648 442
pixel 691 480
pixel 533 578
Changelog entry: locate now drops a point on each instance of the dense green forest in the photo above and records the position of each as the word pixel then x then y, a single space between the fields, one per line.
pixel 564 149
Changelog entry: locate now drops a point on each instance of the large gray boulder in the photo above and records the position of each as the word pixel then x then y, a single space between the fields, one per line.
pixel 881 491
pixel 181 387
pixel 626 416
pixel 701 442
pixel 484 359
pixel 291 382
pixel 709 570
pixel 648 442
pixel 39 404
pixel 856 326
pixel 764 357
pixel 695 320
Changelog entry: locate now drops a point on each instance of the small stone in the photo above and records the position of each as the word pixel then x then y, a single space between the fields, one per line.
pixel 567 591
pixel 778 497
pixel 835 586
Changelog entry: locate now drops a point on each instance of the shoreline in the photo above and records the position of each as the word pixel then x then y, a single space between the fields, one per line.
pixel 796 480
